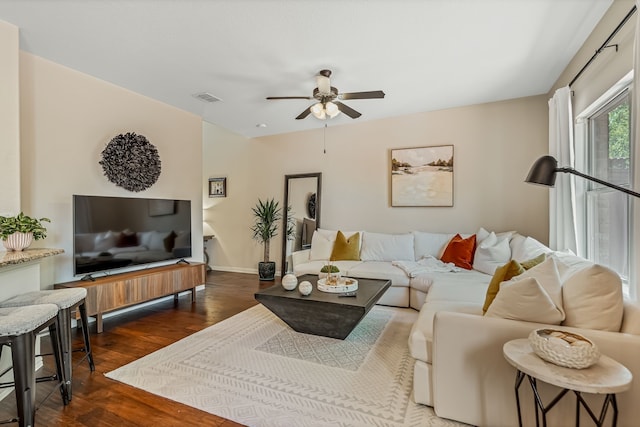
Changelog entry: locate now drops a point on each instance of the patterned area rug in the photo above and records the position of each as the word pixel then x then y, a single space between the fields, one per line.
pixel 253 369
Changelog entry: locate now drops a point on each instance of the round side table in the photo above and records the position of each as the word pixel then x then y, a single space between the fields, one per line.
pixel 606 377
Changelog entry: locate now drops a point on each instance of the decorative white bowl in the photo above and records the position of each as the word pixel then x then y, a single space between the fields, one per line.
pixel 289 282
pixel 564 348
pixel 305 287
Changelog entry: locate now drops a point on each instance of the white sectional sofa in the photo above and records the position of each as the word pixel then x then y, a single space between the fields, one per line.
pixel 459 366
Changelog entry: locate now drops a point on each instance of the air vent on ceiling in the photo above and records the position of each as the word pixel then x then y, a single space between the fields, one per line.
pixel 206 97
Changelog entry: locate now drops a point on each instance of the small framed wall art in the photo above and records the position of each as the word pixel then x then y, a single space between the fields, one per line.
pixel 422 176
pixel 217 187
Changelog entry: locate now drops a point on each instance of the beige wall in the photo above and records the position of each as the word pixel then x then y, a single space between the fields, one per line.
pixel 494 146
pixel 67 118
pixel 9 120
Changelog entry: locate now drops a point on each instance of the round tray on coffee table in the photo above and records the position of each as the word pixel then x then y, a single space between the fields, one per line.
pixel 345 284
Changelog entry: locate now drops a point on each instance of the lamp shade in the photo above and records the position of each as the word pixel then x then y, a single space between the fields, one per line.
pixel 318 111
pixel 543 171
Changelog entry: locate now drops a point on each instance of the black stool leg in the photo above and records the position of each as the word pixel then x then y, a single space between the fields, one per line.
pixel 64 330
pixel 24 366
pixel 54 336
pixel 85 333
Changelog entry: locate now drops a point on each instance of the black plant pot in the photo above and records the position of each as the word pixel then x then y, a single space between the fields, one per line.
pixel 267 270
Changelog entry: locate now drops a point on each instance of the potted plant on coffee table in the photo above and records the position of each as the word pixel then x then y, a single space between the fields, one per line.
pixel 17 232
pixel 267 215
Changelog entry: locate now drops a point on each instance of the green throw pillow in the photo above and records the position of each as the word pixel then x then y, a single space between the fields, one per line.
pixel 530 263
pixel 346 249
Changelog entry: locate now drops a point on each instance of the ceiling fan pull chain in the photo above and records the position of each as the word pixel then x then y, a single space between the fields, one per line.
pixel 325 138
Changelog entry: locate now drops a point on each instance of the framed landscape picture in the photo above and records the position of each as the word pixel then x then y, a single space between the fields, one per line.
pixel 422 176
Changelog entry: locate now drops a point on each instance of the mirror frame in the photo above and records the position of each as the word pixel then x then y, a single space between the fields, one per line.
pixel 318 175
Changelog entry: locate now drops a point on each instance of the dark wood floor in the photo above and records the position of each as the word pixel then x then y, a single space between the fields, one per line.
pixel 99 401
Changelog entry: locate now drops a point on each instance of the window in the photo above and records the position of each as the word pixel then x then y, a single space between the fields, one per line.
pixel 608 211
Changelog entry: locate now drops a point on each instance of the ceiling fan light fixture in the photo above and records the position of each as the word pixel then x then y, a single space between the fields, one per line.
pixel 331 109
pixel 318 111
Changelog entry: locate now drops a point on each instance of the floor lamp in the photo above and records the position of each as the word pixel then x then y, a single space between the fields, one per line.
pixel 544 171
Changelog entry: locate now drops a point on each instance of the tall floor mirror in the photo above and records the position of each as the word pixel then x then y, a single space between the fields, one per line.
pixel 302 195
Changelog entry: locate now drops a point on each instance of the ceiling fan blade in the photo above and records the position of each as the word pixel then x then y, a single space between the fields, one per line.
pixel 288 97
pixel 362 95
pixel 347 110
pixel 304 114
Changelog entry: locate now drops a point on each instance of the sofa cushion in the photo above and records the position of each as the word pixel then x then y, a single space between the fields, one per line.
pixel 502 274
pixel 387 247
pixel 483 234
pixel 346 249
pixel 525 299
pixel 523 248
pixel 460 251
pixel 491 253
pixel 592 299
pixel 421 335
pixel 546 273
pixel 468 286
pixel 430 244
pixel 379 270
pixel 569 263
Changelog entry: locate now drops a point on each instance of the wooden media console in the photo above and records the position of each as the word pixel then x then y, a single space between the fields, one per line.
pixel 113 292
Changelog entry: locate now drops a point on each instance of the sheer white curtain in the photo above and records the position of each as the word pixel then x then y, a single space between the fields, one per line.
pixel 562 203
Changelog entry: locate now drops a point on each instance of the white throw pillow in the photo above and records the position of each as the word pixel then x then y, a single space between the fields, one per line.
pixel 321 245
pixel 491 253
pixel 524 299
pixel 483 234
pixel 546 273
pixel 525 248
pixel 592 299
pixel 430 244
pixel 387 247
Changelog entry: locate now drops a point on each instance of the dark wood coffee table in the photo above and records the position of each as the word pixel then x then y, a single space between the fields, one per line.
pixel 322 313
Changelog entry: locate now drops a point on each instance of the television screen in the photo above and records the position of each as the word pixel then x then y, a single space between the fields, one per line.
pixel 119 232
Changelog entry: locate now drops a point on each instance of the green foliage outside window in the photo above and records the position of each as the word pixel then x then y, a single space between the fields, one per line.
pixel 619 135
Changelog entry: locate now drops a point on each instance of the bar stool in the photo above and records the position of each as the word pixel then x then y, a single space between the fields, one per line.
pixel 18 329
pixel 66 300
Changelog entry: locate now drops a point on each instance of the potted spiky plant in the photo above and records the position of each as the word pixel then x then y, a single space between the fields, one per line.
pixel 267 215
pixel 18 231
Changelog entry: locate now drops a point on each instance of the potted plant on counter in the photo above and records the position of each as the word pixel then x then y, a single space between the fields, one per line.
pixel 17 232
pixel 267 215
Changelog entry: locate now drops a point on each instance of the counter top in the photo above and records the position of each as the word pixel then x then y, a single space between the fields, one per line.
pixel 11 257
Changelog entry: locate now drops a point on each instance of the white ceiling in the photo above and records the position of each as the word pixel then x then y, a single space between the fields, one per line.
pixel 426 55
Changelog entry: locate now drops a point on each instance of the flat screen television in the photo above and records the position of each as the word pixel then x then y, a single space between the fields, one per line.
pixel 118 232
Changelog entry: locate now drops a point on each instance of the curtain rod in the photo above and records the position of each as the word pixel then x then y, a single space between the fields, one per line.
pixel 604 45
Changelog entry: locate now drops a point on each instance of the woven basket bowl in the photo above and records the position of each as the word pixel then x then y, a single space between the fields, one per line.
pixel 564 348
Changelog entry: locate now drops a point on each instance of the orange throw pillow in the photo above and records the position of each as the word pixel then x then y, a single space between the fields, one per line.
pixel 460 251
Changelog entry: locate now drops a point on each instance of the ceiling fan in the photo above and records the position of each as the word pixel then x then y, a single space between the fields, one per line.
pixel 327 97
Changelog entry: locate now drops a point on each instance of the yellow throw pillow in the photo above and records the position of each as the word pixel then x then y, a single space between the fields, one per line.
pixel 506 272
pixel 530 263
pixel 346 249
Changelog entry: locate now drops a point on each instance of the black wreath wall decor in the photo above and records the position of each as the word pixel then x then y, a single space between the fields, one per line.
pixel 131 162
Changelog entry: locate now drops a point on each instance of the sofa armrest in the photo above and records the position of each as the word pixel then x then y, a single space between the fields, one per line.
pixel 473 383
pixel 300 257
